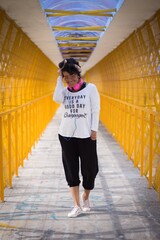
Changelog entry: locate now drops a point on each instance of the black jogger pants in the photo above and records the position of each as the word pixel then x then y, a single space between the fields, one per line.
pixel 83 149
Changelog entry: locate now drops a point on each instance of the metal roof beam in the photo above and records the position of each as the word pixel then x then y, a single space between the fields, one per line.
pixel 77 44
pixel 77 38
pixel 81 12
pixel 104 12
pixel 75 55
pixel 86 28
pixel 76 50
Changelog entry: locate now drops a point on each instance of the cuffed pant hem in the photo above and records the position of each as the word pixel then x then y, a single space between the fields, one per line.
pixel 73 184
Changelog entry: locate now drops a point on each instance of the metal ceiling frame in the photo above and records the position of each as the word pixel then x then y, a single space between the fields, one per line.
pixel 77 31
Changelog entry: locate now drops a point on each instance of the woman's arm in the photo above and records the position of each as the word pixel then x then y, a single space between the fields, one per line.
pixel 95 109
pixel 58 95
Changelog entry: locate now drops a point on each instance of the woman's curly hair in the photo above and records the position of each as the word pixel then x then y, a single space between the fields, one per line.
pixel 71 66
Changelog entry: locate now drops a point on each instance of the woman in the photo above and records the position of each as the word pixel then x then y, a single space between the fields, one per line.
pixel 78 131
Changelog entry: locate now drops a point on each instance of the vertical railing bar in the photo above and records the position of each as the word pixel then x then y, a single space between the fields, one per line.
pixel 125 118
pixel 27 132
pixel 16 143
pixel 150 150
pixel 1 163
pixel 22 138
pixel 129 133
pixel 135 139
pixel 142 144
pixel 9 153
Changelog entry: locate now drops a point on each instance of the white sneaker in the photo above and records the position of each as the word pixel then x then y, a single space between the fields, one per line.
pixel 76 211
pixel 85 205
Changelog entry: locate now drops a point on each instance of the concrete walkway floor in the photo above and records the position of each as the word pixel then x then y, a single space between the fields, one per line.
pixel 36 208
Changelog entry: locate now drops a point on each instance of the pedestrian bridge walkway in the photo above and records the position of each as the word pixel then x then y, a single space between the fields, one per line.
pixel 123 207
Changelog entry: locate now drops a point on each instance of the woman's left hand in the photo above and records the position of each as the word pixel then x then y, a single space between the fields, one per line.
pixel 93 135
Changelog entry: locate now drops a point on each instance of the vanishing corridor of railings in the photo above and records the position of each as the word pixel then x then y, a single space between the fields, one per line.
pixel 20 129
pixel 137 130
pixel 27 80
pixel 129 78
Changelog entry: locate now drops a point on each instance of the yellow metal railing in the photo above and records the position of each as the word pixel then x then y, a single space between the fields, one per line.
pixel 25 72
pixel 27 80
pixel 129 80
pixel 137 130
pixel 20 129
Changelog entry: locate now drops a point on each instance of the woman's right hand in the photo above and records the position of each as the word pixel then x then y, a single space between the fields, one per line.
pixel 60 72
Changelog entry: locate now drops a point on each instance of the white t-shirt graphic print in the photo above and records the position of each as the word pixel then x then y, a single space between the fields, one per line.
pixel 80 110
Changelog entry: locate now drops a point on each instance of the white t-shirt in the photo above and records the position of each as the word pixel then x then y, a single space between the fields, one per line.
pixel 80 110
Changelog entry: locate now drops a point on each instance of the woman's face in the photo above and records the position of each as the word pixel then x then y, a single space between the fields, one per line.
pixel 71 80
